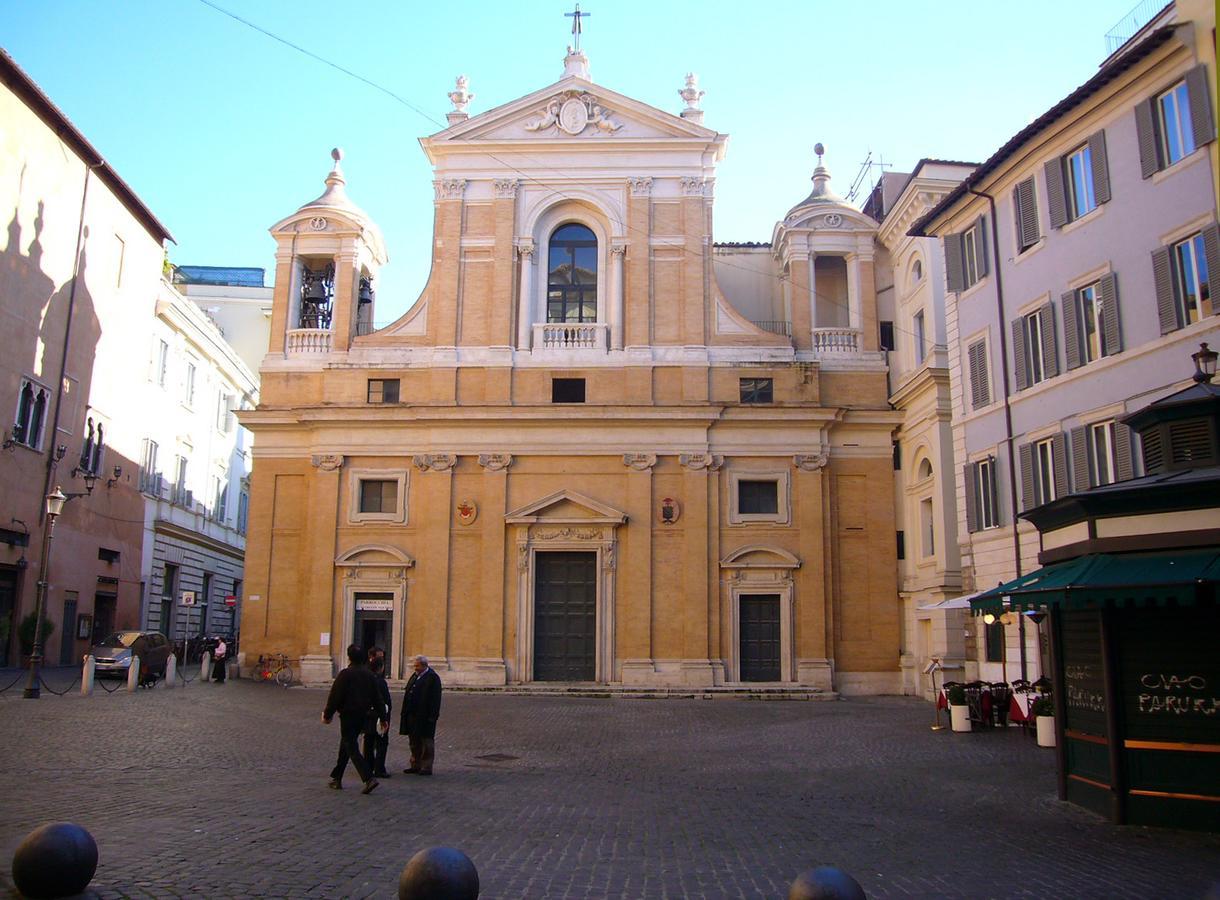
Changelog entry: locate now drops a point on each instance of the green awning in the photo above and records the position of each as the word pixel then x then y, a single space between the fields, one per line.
pixel 1126 578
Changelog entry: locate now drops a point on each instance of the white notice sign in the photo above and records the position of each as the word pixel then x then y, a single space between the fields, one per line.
pixel 325 641
pixel 384 604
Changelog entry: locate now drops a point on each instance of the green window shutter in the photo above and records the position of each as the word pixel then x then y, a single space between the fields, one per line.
pixel 1027 213
pixel 1050 346
pixel 1080 460
pixel 954 272
pixel 1056 193
pixel 1107 292
pixel 1101 167
pixel 1025 453
pixel 1146 132
pixel 1211 251
pixel 980 247
pixel 1162 275
pixel 1200 106
pixel 1018 352
pixel 1071 330
pixel 1124 443
pixel 1059 461
pixel 972 503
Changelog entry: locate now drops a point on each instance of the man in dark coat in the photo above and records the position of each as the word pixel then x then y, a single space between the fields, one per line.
pixel 421 707
pixel 377 737
pixel 355 697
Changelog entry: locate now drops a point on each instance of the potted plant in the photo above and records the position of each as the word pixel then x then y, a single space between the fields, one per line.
pixel 959 712
pixel 1043 711
pixel 25 634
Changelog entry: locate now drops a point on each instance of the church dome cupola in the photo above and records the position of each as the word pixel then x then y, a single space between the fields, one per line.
pixel 335 196
pixel 821 195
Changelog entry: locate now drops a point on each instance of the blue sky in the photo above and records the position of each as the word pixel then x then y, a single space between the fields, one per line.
pixel 222 131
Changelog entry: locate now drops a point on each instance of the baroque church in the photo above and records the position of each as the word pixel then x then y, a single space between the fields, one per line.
pixel 599 448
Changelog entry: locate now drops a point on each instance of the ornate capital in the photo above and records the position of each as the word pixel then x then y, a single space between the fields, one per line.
pixel 618 249
pixel 525 249
pixel 641 462
pixel 495 462
pixel 608 558
pixel 523 557
pixel 693 186
pixel 641 185
pixel 450 188
pixel 811 462
pixel 437 462
pixel 327 462
pixel 697 461
pixel 505 188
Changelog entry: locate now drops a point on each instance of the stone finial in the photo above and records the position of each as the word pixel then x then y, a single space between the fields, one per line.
pixel 821 178
pixel 576 63
pixel 460 98
pixel 692 95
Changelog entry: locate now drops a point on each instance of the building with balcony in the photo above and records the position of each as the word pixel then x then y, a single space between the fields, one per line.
pixel 598 448
pixel 1078 261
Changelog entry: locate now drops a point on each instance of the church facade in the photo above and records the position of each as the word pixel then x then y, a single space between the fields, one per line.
pixel 598 448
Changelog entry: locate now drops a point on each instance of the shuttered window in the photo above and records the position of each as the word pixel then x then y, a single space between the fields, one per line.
pixel 1078 182
pixel 1025 207
pixel 980 383
pixel 966 257
pixel 1035 349
pixel 1044 475
pixel 1090 322
pixel 981 509
pixel 1174 123
pixel 1101 454
pixel 1182 274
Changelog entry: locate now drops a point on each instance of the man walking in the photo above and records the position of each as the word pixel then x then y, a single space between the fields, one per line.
pixel 377 737
pixel 421 707
pixel 354 696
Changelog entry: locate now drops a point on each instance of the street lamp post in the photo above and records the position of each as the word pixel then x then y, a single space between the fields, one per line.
pixel 55 505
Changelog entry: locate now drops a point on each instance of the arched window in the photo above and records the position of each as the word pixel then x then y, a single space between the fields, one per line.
pixel 917 272
pixel 925 469
pixel 571 284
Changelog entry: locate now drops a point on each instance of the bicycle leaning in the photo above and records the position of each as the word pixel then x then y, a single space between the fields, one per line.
pixel 273 667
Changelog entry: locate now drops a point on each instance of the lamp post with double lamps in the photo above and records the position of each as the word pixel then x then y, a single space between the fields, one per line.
pixel 54 506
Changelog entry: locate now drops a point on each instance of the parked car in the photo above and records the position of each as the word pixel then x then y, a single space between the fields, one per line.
pixel 112 656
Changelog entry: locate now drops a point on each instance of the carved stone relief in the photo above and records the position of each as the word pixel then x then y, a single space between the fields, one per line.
pixel 697 461
pixel 327 462
pixel 811 462
pixel 568 534
pixel 573 113
pixel 641 462
pixel 495 462
pixel 437 462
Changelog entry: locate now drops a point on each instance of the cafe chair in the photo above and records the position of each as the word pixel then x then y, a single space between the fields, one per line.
pixel 1001 697
pixel 978 699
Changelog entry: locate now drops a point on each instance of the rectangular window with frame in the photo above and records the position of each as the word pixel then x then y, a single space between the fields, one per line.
pixel 757 497
pixel 1035 350
pixel 378 495
pixel 567 390
pixel 927 527
pixel 1044 470
pixel 160 366
pixel 1090 322
pixel 188 385
pixel 1175 122
pixel 1035 371
pixel 1078 182
pixel 982 510
pixel 148 467
pixel 29 425
pixel 181 494
pixel 980 380
pixel 970 248
pixel 1101 454
pixel 1177 129
pixel 757 390
pixel 919 337
pixel 243 512
pixel 1194 290
pixel 966 256
pixel 383 390
pixel 885 335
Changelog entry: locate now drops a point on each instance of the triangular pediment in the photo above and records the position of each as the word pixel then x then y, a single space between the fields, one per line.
pixel 566 507
pixel 572 109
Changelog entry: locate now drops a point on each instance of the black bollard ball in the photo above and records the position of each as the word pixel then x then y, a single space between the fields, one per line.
pixel 56 860
pixel 439 873
pixel 825 883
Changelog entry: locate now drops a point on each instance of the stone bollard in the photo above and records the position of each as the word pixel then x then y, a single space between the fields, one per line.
pixel 439 873
pixel 171 671
pixel 825 883
pixel 86 675
pixel 133 674
pixel 205 666
pixel 55 860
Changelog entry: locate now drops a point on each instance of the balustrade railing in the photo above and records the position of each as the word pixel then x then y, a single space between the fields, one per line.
pixel 836 340
pixel 775 326
pixel 309 340
pixel 570 336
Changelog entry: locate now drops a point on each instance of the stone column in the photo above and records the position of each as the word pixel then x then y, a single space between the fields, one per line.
pixel 617 286
pixel 525 301
pixel 853 290
pixel 810 621
pixel 430 619
pixel 494 606
pixel 636 623
pixel 319 611
pixel 344 305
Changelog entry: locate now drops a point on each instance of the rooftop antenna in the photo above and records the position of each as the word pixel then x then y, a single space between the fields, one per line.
pixel 866 169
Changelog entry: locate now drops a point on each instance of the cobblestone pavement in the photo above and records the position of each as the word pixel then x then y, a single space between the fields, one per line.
pixel 220 791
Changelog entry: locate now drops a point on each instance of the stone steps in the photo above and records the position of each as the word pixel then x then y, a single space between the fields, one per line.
pixel 634 692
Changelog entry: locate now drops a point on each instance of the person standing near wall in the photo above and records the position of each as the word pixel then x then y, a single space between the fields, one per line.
pixel 354 697
pixel 421 707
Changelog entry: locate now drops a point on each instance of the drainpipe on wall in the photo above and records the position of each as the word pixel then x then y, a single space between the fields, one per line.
pixel 1012 461
pixel 67 342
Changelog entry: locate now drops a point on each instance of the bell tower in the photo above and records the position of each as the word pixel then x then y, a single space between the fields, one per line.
pixel 328 254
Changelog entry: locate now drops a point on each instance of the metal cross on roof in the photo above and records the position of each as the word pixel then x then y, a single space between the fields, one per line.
pixel 576 27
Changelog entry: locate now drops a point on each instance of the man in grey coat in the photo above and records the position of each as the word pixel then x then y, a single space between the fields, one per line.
pixel 421 707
